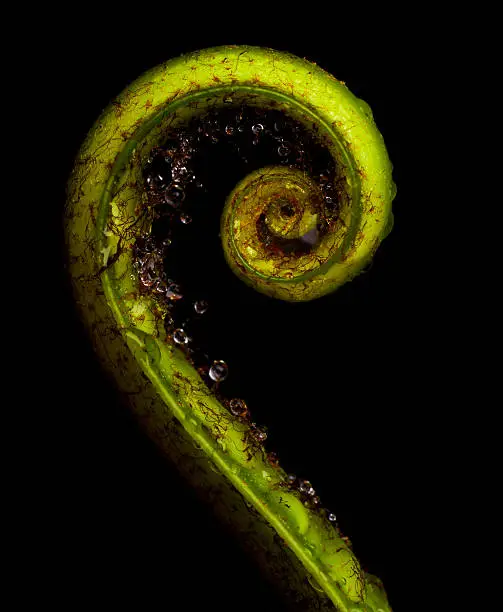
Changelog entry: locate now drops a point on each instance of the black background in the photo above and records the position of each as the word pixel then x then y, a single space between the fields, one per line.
pixel 125 528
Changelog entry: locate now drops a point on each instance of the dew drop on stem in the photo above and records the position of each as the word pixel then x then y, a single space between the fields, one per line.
pixel 180 337
pixel 219 371
pixel 201 306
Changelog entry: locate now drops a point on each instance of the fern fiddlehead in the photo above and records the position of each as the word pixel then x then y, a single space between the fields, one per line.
pixel 307 203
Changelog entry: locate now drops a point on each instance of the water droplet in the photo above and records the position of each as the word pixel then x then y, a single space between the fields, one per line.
pixel 283 150
pixel 291 478
pixel 174 196
pixel 219 371
pixel 257 128
pixel 160 286
pixel 166 242
pixel 306 487
pixel 174 292
pixel 145 245
pixel 329 200
pixel 258 433
pixel 238 407
pixel 201 306
pixel 156 181
pixel 229 130
pixel 180 337
pixel 147 277
pixel 331 517
pixel 185 218
pixel 180 172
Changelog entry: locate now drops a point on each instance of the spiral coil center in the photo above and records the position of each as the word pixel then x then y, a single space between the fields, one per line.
pixel 273 217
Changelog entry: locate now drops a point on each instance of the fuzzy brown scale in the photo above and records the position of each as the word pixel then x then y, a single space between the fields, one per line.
pixel 254 438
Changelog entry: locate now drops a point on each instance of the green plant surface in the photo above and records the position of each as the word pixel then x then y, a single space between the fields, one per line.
pixel 107 212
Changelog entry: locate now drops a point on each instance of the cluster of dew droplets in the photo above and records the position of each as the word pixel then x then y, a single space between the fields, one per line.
pixel 169 181
pixel 167 176
pixel 307 494
pixel 148 260
pixel 148 257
